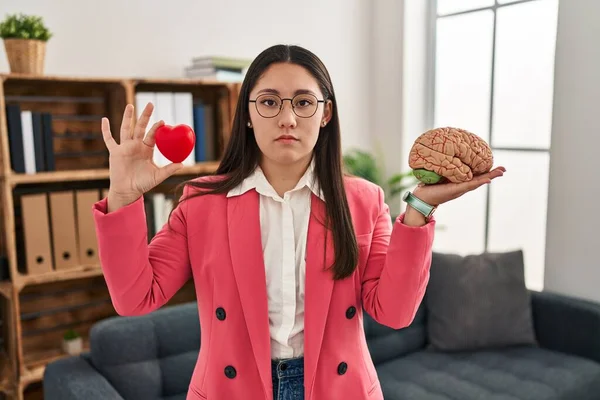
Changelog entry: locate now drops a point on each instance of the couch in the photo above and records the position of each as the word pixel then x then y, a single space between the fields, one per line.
pixel 153 356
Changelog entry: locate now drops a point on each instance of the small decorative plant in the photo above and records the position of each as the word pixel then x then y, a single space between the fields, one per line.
pixel 25 38
pixel 72 342
pixel 21 26
pixel 363 164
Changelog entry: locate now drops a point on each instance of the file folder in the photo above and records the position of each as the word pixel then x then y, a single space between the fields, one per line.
pixel 86 230
pixel 64 238
pixel 36 233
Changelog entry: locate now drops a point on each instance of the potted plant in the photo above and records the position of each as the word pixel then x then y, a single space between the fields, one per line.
pixel 363 164
pixel 72 342
pixel 25 38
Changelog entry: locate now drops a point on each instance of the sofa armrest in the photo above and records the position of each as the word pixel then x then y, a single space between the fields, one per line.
pixel 567 324
pixel 74 378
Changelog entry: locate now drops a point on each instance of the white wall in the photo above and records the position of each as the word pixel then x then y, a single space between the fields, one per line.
pixel 417 69
pixel 573 224
pixel 154 38
pixel 417 79
pixel 387 105
pixel 400 82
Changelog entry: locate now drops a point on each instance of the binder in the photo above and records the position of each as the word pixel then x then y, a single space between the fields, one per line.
pixel 86 230
pixel 38 142
pixel 28 142
pixel 15 138
pixel 48 141
pixel 36 233
pixel 64 239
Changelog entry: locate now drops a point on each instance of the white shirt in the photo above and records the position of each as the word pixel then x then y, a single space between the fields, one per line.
pixel 284 226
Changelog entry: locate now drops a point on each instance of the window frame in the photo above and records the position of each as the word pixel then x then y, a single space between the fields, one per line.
pixel 433 17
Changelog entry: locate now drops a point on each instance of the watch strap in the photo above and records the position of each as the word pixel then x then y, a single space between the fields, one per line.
pixel 419 205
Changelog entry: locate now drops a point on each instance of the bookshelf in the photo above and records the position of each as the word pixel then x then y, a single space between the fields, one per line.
pixel 38 305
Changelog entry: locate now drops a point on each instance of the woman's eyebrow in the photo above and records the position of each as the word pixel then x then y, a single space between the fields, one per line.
pixel 275 91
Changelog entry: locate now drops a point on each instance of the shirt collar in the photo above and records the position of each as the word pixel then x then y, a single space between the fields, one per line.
pixel 258 181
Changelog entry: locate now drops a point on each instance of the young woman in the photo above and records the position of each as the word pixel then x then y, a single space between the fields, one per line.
pixel 284 249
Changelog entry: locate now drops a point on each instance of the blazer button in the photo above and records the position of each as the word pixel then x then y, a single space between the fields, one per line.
pixel 230 372
pixel 342 368
pixel 351 312
pixel 220 313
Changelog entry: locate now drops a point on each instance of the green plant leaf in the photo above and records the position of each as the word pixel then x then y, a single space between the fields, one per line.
pixel 70 335
pixel 21 26
pixel 362 164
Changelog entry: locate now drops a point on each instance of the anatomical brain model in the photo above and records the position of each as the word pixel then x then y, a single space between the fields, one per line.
pixel 451 153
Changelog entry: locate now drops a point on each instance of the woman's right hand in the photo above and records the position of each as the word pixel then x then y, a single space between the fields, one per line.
pixel 132 171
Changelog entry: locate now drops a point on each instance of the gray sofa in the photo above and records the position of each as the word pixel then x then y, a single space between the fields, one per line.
pixel 152 357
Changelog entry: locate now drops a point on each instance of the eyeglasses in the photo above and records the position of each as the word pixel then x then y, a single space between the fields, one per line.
pixel 270 105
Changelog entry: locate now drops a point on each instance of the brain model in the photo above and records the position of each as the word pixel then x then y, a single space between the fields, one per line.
pixel 451 153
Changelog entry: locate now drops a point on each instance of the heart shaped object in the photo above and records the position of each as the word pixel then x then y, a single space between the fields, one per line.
pixel 175 142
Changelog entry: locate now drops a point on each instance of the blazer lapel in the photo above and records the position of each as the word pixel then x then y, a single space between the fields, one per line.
pixel 319 287
pixel 243 220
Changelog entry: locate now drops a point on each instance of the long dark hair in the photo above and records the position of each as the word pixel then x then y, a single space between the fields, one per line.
pixel 242 154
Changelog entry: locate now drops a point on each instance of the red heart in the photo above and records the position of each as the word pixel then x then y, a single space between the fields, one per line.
pixel 175 142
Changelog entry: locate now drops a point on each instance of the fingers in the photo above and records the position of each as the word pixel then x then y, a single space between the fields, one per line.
pixel 167 171
pixel 456 190
pixel 481 180
pixel 126 125
pixel 495 173
pixel 149 140
pixel 141 125
pixel 107 135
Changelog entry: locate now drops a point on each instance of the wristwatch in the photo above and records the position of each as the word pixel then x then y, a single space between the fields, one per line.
pixel 419 205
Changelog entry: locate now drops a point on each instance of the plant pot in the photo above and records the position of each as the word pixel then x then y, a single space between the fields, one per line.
pixel 72 346
pixel 25 56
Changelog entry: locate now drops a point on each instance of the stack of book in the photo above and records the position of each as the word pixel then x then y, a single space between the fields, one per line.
pixel 224 69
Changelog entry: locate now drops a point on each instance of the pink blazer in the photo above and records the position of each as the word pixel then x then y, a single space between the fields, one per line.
pixel 216 241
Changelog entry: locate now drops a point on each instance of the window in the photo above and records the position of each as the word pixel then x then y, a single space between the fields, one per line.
pixel 493 73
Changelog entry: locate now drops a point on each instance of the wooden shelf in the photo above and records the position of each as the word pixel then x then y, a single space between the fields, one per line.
pixel 31 376
pixel 34 372
pixel 58 78
pixel 37 361
pixel 6 289
pixel 41 306
pixel 96 174
pixel 115 79
pixel 182 81
pixel 84 271
pixel 58 176
pixel 6 374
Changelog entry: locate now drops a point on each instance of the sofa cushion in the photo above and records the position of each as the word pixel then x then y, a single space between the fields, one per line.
pixel 519 373
pixel 386 344
pixel 478 301
pixel 149 356
pixel 182 396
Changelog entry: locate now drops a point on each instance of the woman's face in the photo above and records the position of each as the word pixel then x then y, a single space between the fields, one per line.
pixel 285 136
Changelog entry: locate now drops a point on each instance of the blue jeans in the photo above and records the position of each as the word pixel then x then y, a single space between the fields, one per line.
pixel 288 379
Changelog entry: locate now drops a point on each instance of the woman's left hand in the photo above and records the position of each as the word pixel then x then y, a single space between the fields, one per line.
pixel 440 193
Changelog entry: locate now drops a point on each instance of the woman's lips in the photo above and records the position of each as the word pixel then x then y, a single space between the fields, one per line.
pixel 286 139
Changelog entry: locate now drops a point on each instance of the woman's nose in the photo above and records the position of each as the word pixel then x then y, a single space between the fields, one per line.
pixel 287 118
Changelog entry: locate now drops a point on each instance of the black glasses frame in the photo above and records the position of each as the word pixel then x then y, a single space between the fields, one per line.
pixel 291 102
